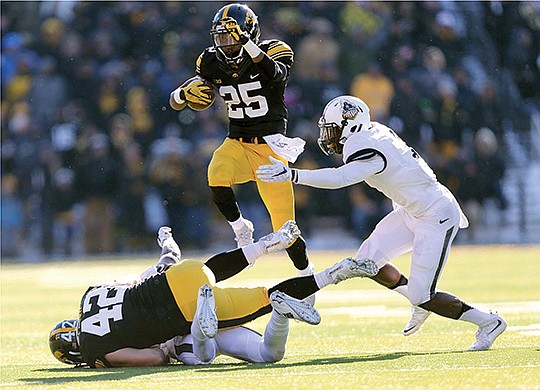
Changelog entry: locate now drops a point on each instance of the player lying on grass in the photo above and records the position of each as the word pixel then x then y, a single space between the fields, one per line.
pixel 425 219
pixel 206 342
pixel 123 325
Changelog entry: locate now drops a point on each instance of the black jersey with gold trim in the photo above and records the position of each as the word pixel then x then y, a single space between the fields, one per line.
pixel 118 316
pixel 255 102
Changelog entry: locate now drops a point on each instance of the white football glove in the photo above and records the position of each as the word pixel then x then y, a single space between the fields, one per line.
pixel 276 172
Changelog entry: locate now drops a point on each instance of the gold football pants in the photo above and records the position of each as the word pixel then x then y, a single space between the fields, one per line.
pixel 235 162
pixel 234 306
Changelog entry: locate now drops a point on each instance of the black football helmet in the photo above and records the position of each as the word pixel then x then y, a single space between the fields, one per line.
pixel 63 342
pixel 228 49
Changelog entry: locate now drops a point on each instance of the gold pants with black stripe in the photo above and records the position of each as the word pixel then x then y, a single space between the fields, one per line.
pixel 234 306
pixel 235 162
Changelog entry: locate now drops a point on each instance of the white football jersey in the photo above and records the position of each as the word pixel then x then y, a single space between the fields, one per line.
pixel 385 162
pixel 405 177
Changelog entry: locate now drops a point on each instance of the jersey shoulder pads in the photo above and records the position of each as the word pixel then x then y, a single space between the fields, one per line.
pixel 205 58
pixel 278 51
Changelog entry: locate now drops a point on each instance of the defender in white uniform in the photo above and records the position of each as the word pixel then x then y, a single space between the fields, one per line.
pixel 425 219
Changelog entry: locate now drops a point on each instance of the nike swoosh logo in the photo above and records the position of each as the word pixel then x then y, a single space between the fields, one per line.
pixel 253 76
pixel 281 173
pixel 499 323
pixel 441 221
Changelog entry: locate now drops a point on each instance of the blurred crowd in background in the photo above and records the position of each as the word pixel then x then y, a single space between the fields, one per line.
pixel 94 160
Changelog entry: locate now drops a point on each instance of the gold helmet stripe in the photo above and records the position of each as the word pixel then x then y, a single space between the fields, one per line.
pixel 62 330
pixel 226 11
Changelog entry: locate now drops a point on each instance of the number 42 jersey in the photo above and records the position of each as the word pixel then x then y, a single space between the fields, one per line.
pixel 255 100
pixel 117 316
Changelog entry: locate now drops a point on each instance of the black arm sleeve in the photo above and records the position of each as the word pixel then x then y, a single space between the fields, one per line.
pixel 273 70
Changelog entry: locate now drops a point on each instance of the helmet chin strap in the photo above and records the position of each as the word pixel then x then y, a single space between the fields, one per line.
pixel 233 61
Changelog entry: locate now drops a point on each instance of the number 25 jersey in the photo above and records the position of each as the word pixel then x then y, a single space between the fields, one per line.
pixel 255 103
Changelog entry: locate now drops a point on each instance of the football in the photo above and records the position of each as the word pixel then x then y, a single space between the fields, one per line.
pixel 207 93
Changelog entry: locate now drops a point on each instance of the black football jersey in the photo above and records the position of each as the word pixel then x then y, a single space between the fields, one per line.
pixel 119 316
pixel 256 103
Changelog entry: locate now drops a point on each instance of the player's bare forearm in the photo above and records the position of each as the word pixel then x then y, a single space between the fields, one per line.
pixel 133 357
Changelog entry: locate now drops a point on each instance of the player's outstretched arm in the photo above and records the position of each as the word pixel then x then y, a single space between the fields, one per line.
pixel 327 178
pixel 133 357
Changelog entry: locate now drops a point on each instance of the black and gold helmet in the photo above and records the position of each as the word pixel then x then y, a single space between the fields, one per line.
pixel 63 342
pixel 229 50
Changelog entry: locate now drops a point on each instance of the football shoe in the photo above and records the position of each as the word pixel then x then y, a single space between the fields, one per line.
pixel 282 238
pixel 352 268
pixel 486 335
pixel 293 308
pixel 206 311
pixel 418 317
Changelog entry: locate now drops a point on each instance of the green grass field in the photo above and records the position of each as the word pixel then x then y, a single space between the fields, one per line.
pixel 357 345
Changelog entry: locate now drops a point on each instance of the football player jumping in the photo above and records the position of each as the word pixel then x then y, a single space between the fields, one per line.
pixel 425 219
pixel 251 77
pixel 146 322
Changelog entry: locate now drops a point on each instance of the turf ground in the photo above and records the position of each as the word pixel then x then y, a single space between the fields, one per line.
pixel 358 344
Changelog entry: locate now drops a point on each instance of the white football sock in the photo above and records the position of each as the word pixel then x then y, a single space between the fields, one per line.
pixel 238 224
pixel 323 279
pixel 309 270
pixel 252 252
pixel 476 317
pixel 275 337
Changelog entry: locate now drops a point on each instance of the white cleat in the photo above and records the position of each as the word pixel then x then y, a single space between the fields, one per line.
pixel 283 238
pixel 486 335
pixel 310 270
pixel 244 235
pixel 352 268
pixel 166 241
pixel 206 311
pixel 418 317
pixel 164 232
pixel 293 308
